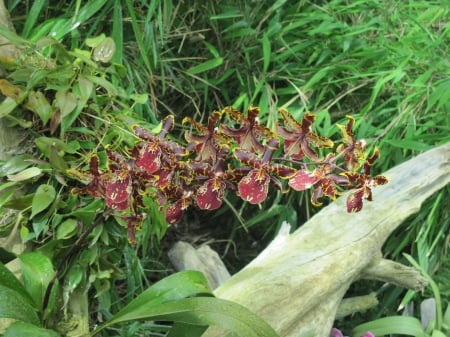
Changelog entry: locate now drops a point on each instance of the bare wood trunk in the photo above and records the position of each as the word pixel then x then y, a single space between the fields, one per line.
pixel 298 281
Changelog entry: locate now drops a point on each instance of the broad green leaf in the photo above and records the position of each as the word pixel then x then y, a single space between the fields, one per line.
pixel 13 305
pixel 16 164
pixel 173 287
pixel 65 101
pixel 85 87
pixel 402 325
pixel 95 41
pixel 88 213
pixel 66 229
pixel 37 272
pixel 37 102
pixel 204 311
pixel 49 144
pixel 104 52
pixel 26 329
pixel 20 203
pixel 437 333
pixel 44 196
pixel 7 106
pixel 205 66
pixel 100 81
pixel 26 174
pixel 186 330
pixel 139 98
pixel 8 280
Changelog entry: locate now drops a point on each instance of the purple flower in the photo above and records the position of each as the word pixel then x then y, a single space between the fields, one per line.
pixel 338 333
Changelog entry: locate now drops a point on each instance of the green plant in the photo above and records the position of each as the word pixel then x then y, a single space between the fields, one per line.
pixel 411 326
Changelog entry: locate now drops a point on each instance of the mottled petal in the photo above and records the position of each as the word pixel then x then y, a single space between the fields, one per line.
pixel 149 157
pixel 210 194
pixel 118 192
pixel 328 188
pixel 174 213
pixel 254 186
pixel 303 180
pixel 379 180
pixel 347 131
pixel 355 201
pixel 282 171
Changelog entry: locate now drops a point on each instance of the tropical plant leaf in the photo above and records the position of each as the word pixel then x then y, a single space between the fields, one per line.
pixel 44 196
pixel 201 311
pixel 37 272
pixel 402 325
pixel 26 174
pixel 26 329
pixel 13 305
pixel 8 280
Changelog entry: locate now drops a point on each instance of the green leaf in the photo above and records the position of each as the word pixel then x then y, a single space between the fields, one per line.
pixel 66 229
pixel 37 272
pixel 95 41
pixel 205 66
pixel 266 52
pixel 20 203
pixel 7 106
pixel 44 196
pixel 26 174
pixel 13 305
pixel 32 16
pixel 173 287
pixel 85 87
pixel 37 102
pixel 186 330
pixel 26 329
pixel 88 213
pixel 65 101
pixel 409 144
pixel 139 98
pixel 104 52
pixel 205 311
pixel 8 280
pixel 100 81
pixel 16 164
pixel 402 325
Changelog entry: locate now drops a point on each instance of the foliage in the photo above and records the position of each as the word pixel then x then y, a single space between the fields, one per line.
pixel 383 63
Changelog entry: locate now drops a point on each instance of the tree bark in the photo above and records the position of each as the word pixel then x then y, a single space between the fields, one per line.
pixel 297 283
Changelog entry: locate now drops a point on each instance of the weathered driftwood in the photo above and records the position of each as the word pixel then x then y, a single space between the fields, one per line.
pixel 298 281
pixel 185 257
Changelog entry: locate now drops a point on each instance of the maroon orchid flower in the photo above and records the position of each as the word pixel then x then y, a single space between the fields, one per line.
pixel 298 137
pixel 175 209
pixel 364 183
pixel 209 141
pixel 255 185
pixel 250 132
pixel 154 149
pixel 353 151
pixel 322 178
pixel 96 185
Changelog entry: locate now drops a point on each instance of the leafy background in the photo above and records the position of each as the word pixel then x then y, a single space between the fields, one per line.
pixel 385 63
